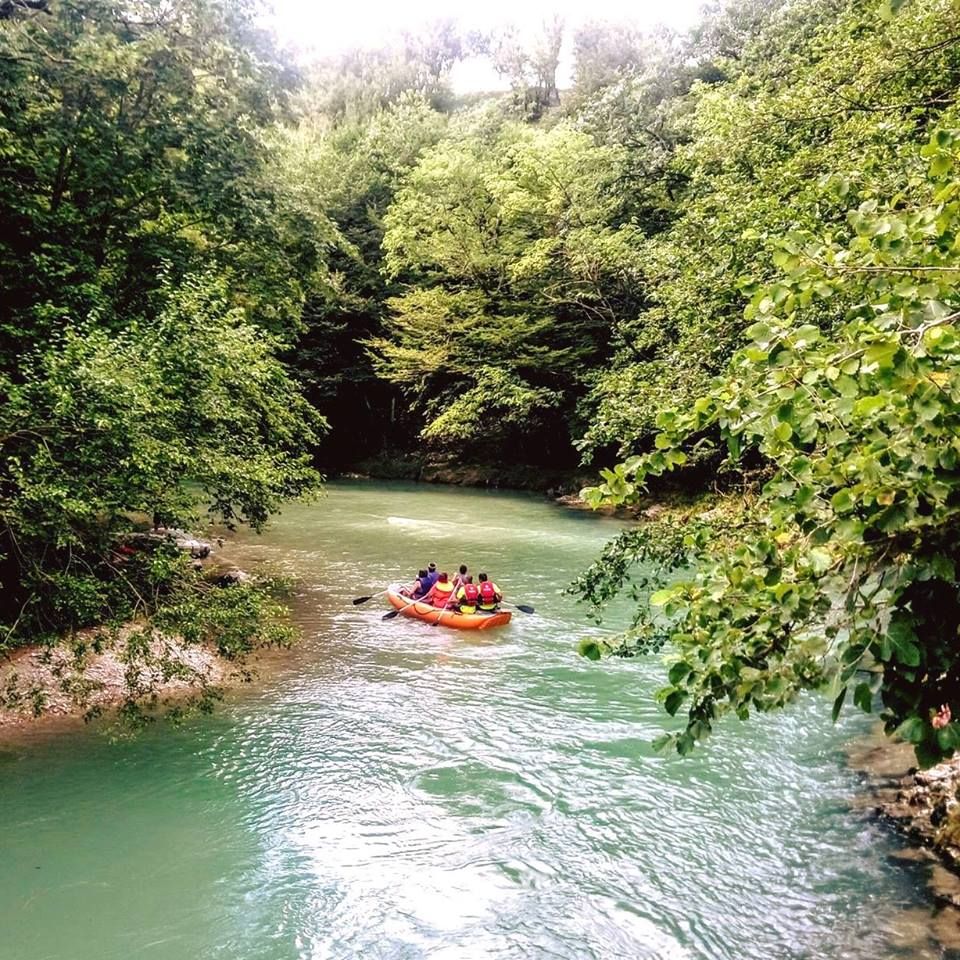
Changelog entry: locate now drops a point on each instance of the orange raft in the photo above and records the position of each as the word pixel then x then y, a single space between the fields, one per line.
pixel 446 618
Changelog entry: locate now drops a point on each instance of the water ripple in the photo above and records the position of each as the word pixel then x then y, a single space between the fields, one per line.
pixel 395 791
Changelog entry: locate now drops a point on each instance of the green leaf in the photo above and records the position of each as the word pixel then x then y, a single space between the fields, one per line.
pixel 674 701
pixel 838 704
pixel 842 501
pixel 761 334
pixel 868 405
pixel 807 334
pixel 941 165
pixel 863 697
pixel 678 671
pixel 913 730
pixel 663 743
pixel 589 649
pixel 662 597
pixel 903 639
pixel 820 560
pixel 881 354
pixel 927 753
pixel 948 737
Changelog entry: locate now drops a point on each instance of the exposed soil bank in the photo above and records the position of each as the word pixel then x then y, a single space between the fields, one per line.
pixel 41 684
pixel 97 670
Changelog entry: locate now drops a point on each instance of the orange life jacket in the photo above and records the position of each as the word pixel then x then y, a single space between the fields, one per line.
pixel 441 593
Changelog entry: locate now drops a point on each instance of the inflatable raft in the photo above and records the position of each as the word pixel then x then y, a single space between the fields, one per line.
pixel 446 618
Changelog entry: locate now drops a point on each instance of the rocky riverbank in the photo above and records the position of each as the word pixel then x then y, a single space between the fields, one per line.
pixel 136 669
pixel 41 684
pixel 923 805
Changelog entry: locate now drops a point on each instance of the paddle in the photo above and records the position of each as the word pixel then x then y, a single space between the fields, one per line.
pixel 365 599
pixel 522 607
pixel 441 612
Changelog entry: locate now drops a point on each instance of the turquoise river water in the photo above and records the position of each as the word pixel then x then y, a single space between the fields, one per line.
pixel 390 790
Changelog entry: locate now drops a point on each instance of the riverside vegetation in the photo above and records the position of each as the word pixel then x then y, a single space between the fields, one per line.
pixel 730 255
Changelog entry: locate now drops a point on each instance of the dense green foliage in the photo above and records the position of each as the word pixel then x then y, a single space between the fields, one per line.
pixel 513 281
pixel 732 252
pixel 154 269
pixel 841 413
pixel 350 173
pixel 751 153
pixel 101 426
pixel 133 136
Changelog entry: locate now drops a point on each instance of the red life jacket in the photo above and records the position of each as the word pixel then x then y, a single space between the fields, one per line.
pixel 470 594
pixel 488 592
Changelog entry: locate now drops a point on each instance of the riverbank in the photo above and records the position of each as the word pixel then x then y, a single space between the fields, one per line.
pixel 132 672
pixel 666 501
pixel 97 673
pixel 452 471
pixel 923 805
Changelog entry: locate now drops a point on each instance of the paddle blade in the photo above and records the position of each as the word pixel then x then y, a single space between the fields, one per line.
pixel 362 599
pixel 525 608
pixel 390 615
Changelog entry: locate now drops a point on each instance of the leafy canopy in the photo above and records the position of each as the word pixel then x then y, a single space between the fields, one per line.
pixel 103 426
pixel 509 245
pixel 156 262
pixel 843 573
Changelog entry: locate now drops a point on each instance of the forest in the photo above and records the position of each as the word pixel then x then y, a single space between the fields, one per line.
pixel 723 262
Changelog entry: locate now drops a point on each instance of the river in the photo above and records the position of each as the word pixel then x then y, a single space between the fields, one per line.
pixel 391 790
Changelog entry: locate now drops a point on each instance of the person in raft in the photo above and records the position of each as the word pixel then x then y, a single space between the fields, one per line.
pixel 490 594
pixel 467 596
pixel 420 588
pixel 440 593
pixel 460 578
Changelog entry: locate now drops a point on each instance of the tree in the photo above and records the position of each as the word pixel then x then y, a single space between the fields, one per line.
pixel 604 53
pixel 356 85
pixel 190 408
pixel 132 139
pixel 350 174
pixel 510 246
pixel 820 87
pixel 155 266
pixel 529 65
pixel 843 573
